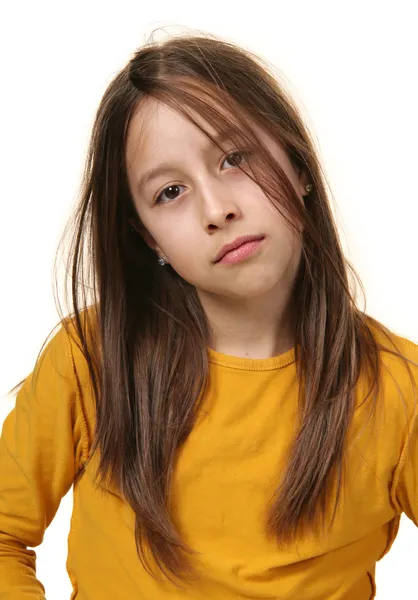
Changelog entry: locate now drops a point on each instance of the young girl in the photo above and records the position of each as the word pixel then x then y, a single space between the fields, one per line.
pixel 234 426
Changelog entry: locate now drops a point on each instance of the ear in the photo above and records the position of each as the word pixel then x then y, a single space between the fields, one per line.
pixel 303 181
pixel 144 233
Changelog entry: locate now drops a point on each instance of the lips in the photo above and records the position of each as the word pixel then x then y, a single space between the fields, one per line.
pixel 236 244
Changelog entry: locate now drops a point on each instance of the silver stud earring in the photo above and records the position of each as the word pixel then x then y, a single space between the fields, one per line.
pixel 308 188
pixel 162 261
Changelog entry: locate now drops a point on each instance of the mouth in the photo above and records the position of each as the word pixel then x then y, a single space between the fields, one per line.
pixel 241 249
pixel 243 239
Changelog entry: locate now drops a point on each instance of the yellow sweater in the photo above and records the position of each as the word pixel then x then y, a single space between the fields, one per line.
pixel 224 476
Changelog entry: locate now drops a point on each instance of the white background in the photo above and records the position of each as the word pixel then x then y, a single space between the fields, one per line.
pixel 352 67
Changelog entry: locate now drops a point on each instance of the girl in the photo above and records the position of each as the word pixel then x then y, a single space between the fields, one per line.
pixel 233 424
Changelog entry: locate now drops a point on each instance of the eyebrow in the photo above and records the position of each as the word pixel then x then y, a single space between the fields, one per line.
pixel 164 167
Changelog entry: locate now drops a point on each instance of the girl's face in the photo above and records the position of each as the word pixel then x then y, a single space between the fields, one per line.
pixel 198 201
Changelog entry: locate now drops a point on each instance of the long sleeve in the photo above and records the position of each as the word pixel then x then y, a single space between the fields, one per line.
pixel 42 446
pixel 405 486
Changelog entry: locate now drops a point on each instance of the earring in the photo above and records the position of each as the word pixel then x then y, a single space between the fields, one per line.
pixel 162 261
pixel 308 188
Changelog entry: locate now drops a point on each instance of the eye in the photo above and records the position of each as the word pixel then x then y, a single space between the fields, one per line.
pixel 236 157
pixel 171 192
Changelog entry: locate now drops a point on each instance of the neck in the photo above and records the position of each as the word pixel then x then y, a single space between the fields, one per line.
pixel 252 328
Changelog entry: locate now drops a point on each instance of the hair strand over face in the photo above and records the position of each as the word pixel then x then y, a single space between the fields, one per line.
pixel 142 328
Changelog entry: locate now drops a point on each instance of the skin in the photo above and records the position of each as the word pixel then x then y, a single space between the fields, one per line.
pixel 247 303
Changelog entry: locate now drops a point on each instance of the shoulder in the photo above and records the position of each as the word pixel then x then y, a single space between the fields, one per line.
pixel 398 356
pixel 392 401
pixel 394 348
pixel 79 337
pixel 61 361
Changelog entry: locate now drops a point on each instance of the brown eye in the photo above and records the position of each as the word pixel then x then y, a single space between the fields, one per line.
pixel 171 192
pixel 236 158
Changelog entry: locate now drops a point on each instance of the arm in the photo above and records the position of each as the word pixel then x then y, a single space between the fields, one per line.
pixel 42 446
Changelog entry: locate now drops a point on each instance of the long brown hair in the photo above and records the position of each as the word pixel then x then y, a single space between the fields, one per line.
pixel 148 359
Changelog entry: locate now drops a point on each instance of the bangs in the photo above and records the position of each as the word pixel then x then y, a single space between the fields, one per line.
pixel 223 119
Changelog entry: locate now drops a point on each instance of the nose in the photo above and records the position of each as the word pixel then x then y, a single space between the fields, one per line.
pixel 218 204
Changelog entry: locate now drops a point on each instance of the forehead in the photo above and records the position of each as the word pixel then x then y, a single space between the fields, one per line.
pixel 155 123
pixel 156 126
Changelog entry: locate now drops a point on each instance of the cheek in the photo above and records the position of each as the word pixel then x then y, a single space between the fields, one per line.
pixel 191 270
pixel 294 241
pixel 284 223
pixel 186 256
pixel 288 246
